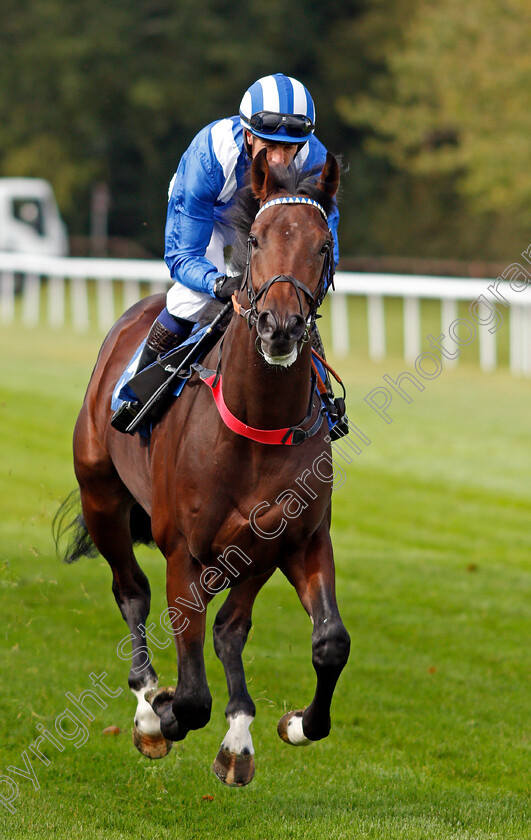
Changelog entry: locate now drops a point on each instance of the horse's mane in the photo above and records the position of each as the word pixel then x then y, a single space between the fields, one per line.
pixel 246 206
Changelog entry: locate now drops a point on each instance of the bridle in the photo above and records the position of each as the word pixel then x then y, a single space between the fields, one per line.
pixel 290 435
pixel 314 299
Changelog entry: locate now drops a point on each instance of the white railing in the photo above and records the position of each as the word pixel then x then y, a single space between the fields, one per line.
pixel 28 271
pixel 504 298
pixel 67 280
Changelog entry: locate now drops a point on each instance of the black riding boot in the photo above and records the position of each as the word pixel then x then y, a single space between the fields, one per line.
pixel 159 341
pixel 341 428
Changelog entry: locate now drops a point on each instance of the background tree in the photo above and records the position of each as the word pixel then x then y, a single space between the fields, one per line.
pixel 427 102
pixel 448 109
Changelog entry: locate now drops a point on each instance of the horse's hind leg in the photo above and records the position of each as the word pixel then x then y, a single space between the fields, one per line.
pixel 106 506
pixel 234 763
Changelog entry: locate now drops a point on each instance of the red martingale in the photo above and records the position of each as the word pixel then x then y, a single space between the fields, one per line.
pixel 274 436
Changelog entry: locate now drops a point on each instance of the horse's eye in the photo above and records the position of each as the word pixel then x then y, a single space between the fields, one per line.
pixel 326 247
pixel 253 240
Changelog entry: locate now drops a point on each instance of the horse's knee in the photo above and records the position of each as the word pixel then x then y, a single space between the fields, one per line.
pixel 330 647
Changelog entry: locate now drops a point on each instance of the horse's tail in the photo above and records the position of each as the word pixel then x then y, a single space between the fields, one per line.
pixel 68 523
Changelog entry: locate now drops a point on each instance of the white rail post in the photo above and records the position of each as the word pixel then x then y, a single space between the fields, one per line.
pixel 31 300
pixel 487 346
pixel 515 339
pixel 411 329
pixel 157 287
pixel 56 301
pixel 131 293
pixel 105 303
pixel 448 316
pixel 7 297
pixel 339 319
pixel 80 311
pixel 376 327
pixel 526 342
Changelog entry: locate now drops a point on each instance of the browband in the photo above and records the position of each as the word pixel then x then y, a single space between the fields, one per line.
pixel 293 199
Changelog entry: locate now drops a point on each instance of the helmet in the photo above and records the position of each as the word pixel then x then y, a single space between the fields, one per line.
pixel 278 107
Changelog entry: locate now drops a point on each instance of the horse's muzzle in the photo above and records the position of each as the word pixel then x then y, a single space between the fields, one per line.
pixel 279 337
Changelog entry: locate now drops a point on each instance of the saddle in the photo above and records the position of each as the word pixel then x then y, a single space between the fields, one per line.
pixel 133 387
pixel 145 383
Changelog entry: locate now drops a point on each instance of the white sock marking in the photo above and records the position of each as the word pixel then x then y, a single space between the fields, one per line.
pixel 238 738
pixel 295 734
pixel 146 721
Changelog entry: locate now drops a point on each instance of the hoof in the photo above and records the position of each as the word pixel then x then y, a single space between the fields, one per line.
pixel 290 729
pixel 152 746
pixel 234 769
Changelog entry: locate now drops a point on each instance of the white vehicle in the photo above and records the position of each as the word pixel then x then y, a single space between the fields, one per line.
pixel 30 221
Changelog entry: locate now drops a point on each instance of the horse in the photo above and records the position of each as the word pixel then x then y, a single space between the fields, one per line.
pixel 224 502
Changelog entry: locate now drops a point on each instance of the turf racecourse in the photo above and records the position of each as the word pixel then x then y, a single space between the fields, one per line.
pixel 432 536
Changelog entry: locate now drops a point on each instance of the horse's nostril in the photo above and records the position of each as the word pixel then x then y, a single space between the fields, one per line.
pixel 295 327
pixel 266 324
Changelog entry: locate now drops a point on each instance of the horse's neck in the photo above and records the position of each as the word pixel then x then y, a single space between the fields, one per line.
pixel 261 395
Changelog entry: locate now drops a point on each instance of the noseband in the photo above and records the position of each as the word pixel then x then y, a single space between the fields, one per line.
pixel 314 298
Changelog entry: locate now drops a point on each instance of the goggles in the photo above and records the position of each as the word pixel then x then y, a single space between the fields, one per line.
pixel 269 123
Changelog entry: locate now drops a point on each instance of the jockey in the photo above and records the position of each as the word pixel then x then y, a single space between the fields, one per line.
pixel 276 113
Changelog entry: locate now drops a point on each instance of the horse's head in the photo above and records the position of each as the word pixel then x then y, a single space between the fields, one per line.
pixel 290 254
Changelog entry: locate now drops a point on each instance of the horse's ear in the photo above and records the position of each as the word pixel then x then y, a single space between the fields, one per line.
pixel 262 182
pixel 329 177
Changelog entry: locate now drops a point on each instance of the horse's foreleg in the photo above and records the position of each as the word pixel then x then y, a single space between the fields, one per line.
pixel 106 511
pixel 190 705
pixel 234 763
pixel 314 579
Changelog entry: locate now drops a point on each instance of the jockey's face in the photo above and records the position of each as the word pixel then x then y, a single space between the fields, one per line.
pixel 277 153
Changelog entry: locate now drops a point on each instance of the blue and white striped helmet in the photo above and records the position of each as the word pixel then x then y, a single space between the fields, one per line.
pixel 278 107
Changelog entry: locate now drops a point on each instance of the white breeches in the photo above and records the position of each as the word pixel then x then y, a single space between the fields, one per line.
pixel 187 303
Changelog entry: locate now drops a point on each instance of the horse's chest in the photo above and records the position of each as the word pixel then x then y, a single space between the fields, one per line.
pixel 262 518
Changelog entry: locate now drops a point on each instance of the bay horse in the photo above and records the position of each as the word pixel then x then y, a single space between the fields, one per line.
pixel 225 509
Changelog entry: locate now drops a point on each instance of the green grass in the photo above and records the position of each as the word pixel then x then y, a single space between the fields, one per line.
pixel 430 735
